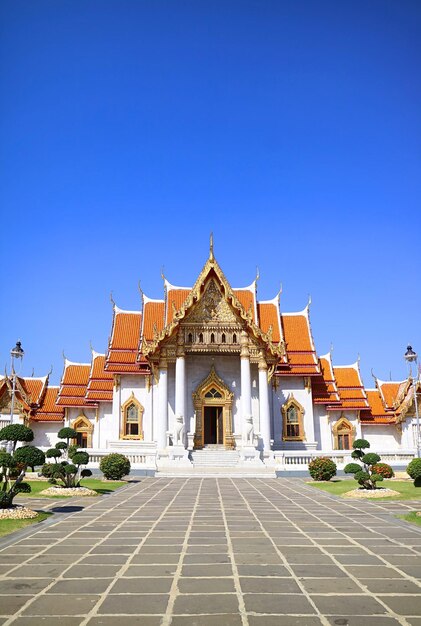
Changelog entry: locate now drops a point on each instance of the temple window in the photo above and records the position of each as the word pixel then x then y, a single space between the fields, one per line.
pixel 132 412
pixel 343 435
pixel 213 393
pixel 293 413
pixel 234 338
pixel 223 338
pixel 201 338
pixel 190 338
pixel 84 430
pixel 212 338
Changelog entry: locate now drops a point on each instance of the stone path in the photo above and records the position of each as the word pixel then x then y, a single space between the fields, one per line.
pixel 214 551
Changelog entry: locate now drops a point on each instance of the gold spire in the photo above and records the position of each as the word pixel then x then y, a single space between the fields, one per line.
pixel 211 257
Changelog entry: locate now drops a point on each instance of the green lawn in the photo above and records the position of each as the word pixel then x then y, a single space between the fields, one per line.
pixel 412 517
pixel 96 484
pixel 338 487
pixel 8 526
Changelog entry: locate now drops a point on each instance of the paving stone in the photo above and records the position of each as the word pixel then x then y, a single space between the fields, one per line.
pixel 82 586
pixel 330 585
pixel 134 604
pixel 47 621
pixel 126 620
pixel 10 604
pixel 191 559
pixel 155 558
pixel 348 605
pixel 314 571
pixel 105 559
pixel 150 570
pixel 91 571
pixel 206 570
pixel 262 570
pixel 372 571
pixel 215 603
pixel 206 585
pixel 269 585
pixel 283 620
pixel 392 586
pixel 37 571
pixel 275 603
pixel 61 605
pixel 207 620
pixel 142 585
pixel 404 605
pixel 23 586
pixel 353 620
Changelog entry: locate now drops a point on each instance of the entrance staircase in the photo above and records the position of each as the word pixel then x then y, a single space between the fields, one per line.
pixel 214 456
pixel 216 461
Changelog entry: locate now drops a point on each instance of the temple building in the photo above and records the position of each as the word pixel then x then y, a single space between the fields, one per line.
pixel 208 369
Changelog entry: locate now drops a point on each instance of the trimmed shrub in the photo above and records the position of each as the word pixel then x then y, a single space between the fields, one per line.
pixel 53 453
pixel 15 433
pixel 69 474
pixel 414 471
pixel 383 469
pixel 114 466
pixel 364 474
pixel 30 455
pixel 67 433
pixel 322 468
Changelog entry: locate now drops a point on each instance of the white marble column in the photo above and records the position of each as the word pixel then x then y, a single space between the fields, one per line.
pixel 162 425
pixel 264 408
pixel 245 381
pixel 180 380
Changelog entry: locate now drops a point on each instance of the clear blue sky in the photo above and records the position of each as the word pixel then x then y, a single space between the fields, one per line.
pixel 131 129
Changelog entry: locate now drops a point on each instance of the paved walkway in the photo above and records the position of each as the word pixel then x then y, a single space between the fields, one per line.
pixel 214 551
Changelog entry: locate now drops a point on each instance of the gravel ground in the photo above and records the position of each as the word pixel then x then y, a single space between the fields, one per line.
pixel 68 491
pixel 371 493
pixel 17 512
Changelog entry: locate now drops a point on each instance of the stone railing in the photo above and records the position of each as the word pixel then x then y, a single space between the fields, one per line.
pixel 299 460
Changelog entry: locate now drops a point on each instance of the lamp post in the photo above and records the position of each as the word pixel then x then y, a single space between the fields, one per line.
pixel 412 357
pixel 15 353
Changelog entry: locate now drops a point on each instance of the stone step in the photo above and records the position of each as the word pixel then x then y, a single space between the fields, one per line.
pixel 211 457
pixel 216 472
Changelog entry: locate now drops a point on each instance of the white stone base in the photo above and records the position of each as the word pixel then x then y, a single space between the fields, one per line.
pixel 249 456
pixel 174 456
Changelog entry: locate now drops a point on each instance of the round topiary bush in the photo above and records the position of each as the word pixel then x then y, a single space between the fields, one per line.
pixel 114 466
pixel 383 469
pixel 322 468
pixel 30 455
pixel 414 471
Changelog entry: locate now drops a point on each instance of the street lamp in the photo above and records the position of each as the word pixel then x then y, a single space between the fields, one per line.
pixel 15 353
pixel 412 357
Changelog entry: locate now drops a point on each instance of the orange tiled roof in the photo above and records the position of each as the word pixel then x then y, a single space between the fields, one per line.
pixel 377 412
pixel 247 300
pixel 33 387
pixel 153 315
pixel 73 384
pixel 301 353
pixel 350 387
pixel 269 317
pixel 48 411
pixel 175 300
pixel 325 390
pixel 100 384
pixel 390 391
pixel 124 342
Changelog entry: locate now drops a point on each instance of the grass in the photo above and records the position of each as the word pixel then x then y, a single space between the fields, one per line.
pixel 407 490
pixel 96 484
pixel 412 517
pixel 8 526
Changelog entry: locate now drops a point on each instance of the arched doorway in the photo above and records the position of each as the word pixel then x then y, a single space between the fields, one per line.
pixel 213 406
pixel 84 430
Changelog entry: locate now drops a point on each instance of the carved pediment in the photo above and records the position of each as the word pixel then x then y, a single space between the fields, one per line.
pixel 212 309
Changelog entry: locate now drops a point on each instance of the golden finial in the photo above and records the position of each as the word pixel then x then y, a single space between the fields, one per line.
pixel 111 298
pixel 257 274
pixel 211 257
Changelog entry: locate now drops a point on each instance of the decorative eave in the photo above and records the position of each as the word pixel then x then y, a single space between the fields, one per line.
pixel 148 349
pixel 407 400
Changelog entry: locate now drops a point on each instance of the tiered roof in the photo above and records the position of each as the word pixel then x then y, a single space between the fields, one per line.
pixel 48 411
pixel 73 384
pixel 100 383
pixel 351 390
pixel 325 389
pixel 124 342
pixel 300 348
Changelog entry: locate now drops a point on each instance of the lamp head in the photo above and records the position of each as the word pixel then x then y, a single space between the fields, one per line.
pixel 17 351
pixel 410 356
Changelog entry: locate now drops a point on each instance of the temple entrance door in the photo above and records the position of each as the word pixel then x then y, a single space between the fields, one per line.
pixel 213 425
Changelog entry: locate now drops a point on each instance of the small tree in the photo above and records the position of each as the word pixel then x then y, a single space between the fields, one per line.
pixel 69 474
pixel 414 471
pixel 16 432
pixel 66 433
pixel 114 466
pixel 13 466
pixel 364 474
